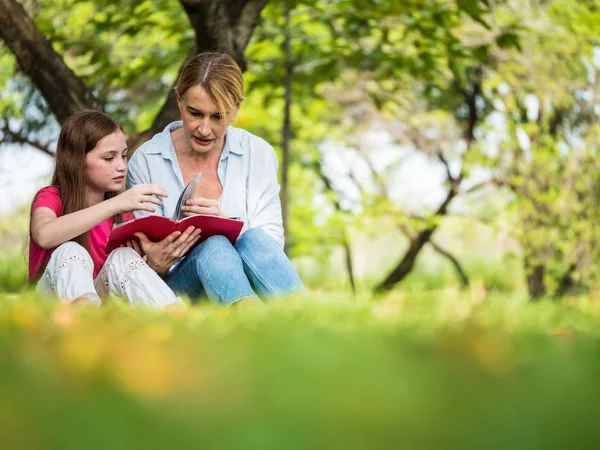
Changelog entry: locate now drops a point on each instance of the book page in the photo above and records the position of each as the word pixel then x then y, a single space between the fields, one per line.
pixel 187 193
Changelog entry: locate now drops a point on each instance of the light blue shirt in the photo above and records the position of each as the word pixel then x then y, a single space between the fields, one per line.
pixel 247 171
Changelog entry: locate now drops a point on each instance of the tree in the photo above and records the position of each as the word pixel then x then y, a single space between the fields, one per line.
pixel 548 97
pixel 450 73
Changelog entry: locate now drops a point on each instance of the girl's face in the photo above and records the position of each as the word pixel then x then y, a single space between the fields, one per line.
pixel 202 124
pixel 106 164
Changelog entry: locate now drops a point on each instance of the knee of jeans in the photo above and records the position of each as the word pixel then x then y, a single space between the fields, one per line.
pixel 251 234
pixel 214 244
pixel 247 238
pixel 121 256
pixel 216 257
pixel 217 241
pixel 256 240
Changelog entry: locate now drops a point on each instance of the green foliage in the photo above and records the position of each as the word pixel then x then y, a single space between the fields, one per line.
pixel 13 272
pixel 127 53
pixel 387 43
pixel 549 157
pixel 388 40
pixel 13 251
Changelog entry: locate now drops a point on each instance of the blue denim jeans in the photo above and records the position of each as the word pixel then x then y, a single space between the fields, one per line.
pixel 226 273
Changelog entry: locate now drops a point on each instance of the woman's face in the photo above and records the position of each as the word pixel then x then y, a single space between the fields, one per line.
pixel 202 122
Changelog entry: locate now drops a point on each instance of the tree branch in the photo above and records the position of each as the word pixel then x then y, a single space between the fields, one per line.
pixel 404 229
pixel 18 138
pixel 383 189
pixel 221 25
pixel 441 157
pixel 406 264
pixel 484 184
pixel 248 20
pixel 464 279
pixel 64 92
pixel 345 238
pixel 286 127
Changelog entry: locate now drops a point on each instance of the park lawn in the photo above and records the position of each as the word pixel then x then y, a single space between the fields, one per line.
pixel 445 369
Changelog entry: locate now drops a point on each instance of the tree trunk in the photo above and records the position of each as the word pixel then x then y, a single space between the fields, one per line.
pixel 349 263
pixel 535 281
pixel 224 26
pixel 286 131
pixel 567 281
pixel 64 92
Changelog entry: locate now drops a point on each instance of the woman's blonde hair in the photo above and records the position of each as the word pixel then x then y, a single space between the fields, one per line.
pixel 219 75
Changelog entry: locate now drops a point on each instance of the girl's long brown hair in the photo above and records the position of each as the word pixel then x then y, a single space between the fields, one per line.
pixel 79 135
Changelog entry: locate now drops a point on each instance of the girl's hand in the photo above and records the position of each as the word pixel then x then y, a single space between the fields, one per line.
pixel 136 247
pixel 201 205
pixel 160 256
pixel 137 197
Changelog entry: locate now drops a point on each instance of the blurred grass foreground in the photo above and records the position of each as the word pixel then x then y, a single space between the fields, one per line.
pixel 437 370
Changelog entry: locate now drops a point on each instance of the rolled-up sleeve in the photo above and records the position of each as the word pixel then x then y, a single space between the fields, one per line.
pixel 264 205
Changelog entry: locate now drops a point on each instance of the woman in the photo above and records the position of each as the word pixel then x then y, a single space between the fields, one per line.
pixel 239 179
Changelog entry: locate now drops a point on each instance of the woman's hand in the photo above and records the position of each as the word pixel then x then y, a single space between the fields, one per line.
pixel 201 205
pixel 137 197
pixel 161 255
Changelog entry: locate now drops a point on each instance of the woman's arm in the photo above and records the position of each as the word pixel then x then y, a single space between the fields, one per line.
pixel 264 205
pixel 49 231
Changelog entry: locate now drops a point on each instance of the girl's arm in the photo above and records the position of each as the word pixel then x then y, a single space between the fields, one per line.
pixel 49 231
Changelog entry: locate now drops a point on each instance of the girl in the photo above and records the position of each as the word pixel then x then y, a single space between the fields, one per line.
pixel 72 219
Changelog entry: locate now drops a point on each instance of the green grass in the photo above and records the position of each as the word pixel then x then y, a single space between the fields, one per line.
pixel 429 366
pixel 443 369
pixel 13 272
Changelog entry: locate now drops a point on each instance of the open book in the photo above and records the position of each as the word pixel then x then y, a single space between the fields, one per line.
pixel 159 227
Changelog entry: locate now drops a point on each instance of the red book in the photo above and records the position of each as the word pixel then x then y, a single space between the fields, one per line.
pixel 158 227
